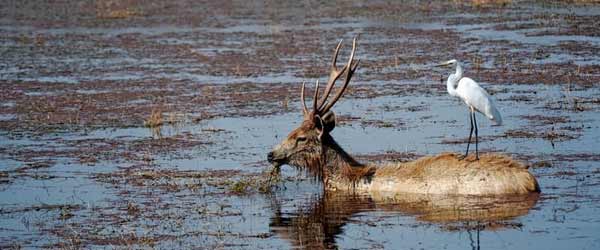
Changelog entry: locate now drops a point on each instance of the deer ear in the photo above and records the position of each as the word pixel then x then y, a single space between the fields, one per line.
pixel 325 124
pixel 329 121
pixel 320 125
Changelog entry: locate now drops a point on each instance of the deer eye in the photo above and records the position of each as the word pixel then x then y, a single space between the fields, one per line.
pixel 301 139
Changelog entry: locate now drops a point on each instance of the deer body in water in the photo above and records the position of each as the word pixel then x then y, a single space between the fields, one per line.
pixel 310 147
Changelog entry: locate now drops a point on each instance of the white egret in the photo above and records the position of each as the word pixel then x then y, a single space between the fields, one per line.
pixel 476 98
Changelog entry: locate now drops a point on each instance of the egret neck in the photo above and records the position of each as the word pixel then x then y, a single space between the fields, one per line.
pixel 453 80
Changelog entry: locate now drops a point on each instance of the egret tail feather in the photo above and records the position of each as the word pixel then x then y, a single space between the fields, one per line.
pixel 495 116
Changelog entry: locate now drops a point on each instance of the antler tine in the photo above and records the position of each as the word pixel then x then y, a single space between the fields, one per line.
pixel 335 55
pixel 304 109
pixel 351 67
pixel 315 98
pixel 333 75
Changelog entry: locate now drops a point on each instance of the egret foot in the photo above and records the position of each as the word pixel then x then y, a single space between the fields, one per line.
pixel 464 157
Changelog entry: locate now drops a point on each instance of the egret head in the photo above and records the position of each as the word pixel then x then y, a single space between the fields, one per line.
pixel 448 63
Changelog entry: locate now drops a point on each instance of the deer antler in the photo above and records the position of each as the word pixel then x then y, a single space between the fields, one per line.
pixel 333 75
pixel 315 108
pixel 350 68
pixel 321 107
pixel 304 109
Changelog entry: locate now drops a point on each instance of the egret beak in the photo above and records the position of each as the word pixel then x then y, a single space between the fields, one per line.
pixel 446 63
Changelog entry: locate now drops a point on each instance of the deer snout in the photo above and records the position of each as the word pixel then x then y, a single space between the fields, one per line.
pixel 270 157
pixel 276 157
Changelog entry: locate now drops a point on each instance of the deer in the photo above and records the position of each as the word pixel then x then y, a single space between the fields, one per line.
pixel 311 148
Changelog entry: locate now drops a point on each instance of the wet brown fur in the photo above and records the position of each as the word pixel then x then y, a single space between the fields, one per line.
pixel 420 167
pixel 445 173
pixel 354 174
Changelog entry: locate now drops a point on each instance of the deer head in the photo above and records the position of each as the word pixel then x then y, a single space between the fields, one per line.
pixel 306 146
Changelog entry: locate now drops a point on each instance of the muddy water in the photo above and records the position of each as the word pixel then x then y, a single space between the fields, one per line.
pixel 80 170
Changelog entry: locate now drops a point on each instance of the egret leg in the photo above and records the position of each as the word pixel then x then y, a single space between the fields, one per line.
pixel 476 136
pixel 470 135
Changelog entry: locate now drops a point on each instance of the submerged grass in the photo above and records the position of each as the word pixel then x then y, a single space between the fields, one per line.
pixel 155 120
pixel 262 183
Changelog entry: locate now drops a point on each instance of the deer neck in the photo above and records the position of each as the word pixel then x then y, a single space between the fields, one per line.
pixel 335 156
pixel 339 166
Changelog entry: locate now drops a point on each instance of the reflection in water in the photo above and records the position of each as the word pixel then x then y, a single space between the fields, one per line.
pixel 317 224
pixel 474 242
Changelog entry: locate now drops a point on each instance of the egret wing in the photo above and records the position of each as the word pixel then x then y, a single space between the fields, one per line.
pixel 476 97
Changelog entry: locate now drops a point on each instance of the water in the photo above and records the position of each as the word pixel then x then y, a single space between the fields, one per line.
pixel 79 169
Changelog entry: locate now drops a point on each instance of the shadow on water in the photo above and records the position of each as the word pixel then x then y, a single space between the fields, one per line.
pixel 319 222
